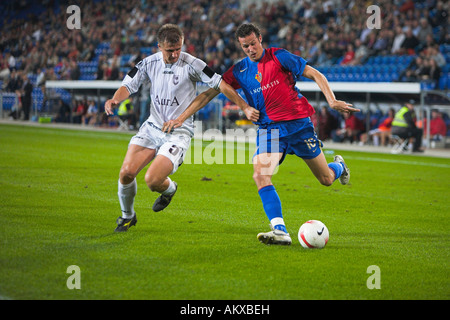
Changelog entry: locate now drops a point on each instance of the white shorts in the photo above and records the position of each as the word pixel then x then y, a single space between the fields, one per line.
pixel 172 146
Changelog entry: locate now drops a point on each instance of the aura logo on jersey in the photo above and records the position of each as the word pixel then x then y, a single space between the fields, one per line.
pixel 167 101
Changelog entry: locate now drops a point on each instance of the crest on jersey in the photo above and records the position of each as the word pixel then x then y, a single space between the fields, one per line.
pixel 258 77
pixel 176 79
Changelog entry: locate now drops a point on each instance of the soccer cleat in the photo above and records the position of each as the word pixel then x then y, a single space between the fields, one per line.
pixel 125 224
pixel 345 176
pixel 163 200
pixel 275 237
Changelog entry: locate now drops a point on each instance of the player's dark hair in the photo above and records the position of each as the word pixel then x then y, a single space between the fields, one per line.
pixel 170 33
pixel 247 29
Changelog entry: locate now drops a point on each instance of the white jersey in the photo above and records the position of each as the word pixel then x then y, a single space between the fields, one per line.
pixel 173 86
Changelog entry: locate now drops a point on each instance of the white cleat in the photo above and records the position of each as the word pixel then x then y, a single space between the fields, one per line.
pixel 345 176
pixel 275 237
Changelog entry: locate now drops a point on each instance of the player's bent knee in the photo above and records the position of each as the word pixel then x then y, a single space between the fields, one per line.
pixel 126 176
pixel 262 179
pixel 326 181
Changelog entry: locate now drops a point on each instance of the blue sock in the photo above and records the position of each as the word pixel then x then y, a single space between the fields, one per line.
pixel 272 207
pixel 337 169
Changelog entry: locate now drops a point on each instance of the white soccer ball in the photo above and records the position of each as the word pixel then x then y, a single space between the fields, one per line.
pixel 313 234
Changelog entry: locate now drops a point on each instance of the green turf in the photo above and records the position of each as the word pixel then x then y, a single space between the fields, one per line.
pixel 59 204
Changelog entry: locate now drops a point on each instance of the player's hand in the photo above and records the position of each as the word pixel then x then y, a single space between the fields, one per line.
pixel 251 113
pixel 170 125
pixel 109 105
pixel 343 106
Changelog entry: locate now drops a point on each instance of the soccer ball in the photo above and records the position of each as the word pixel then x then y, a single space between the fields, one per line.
pixel 313 234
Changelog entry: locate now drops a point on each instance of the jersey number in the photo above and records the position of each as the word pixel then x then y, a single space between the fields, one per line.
pixel 174 150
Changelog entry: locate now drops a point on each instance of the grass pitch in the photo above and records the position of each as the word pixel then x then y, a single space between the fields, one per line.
pixel 59 205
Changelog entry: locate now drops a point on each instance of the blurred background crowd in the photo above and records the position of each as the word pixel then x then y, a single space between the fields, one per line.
pixel 412 44
pixel 35 38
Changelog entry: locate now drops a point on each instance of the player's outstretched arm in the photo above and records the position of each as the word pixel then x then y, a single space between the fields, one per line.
pixel 120 95
pixel 323 84
pixel 251 113
pixel 199 102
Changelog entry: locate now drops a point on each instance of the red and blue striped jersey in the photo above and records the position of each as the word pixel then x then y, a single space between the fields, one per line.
pixel 269 85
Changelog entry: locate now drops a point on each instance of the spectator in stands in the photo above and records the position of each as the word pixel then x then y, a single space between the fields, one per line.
pixel 40 79
pixel 410 43
pixel 113 68
pixel 382 42
pixel 406 6
pixel 50 75
pixel 79 110
pixel 11 60
pixel 382 132
pixel 434 53
pixel 438 127
pixel 64 112
pixel 422 74
pixel 14 82
pixel 432 72
pixel 90 117
pixel 88 53
pixel 26 99
pixel 410 74
pixel 4 69
pixel 327 123
pixel 334 52
pixel 74 53
pixel 324 58
pixel 349 55
pixel 404 126
pixel 398 41
pixel 74 70
pixel 370 42
pixel 439 15
pixel 361 53
pixel 351 131
pixel 425 29
pixel 101 67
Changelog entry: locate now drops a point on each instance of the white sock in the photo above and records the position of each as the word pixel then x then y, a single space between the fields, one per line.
pixel 171 189
pixel 278 222
pixel 126 194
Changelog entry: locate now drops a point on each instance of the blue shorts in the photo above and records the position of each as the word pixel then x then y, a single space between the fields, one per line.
pixel 289 137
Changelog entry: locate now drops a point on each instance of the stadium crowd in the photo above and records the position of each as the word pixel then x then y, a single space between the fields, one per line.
pixel 36 43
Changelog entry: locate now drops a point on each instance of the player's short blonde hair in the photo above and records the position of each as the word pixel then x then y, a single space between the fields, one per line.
pixel 170 33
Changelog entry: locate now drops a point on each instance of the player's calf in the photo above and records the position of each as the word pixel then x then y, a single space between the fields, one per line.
pixel 165 198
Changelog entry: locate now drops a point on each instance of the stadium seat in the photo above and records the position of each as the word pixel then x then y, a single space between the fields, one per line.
pixel 122 123
pixel 399 144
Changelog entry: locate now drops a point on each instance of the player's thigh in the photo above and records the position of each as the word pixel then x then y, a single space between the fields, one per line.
pixel 158 171
pixel 168 158
pixel 319 167
pixel 135 160
pixel 175 150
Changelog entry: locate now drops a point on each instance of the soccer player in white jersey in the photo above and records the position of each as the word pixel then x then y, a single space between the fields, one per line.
pixel 173 76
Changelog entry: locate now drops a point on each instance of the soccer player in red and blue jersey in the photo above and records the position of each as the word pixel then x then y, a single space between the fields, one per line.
pixel 267 78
